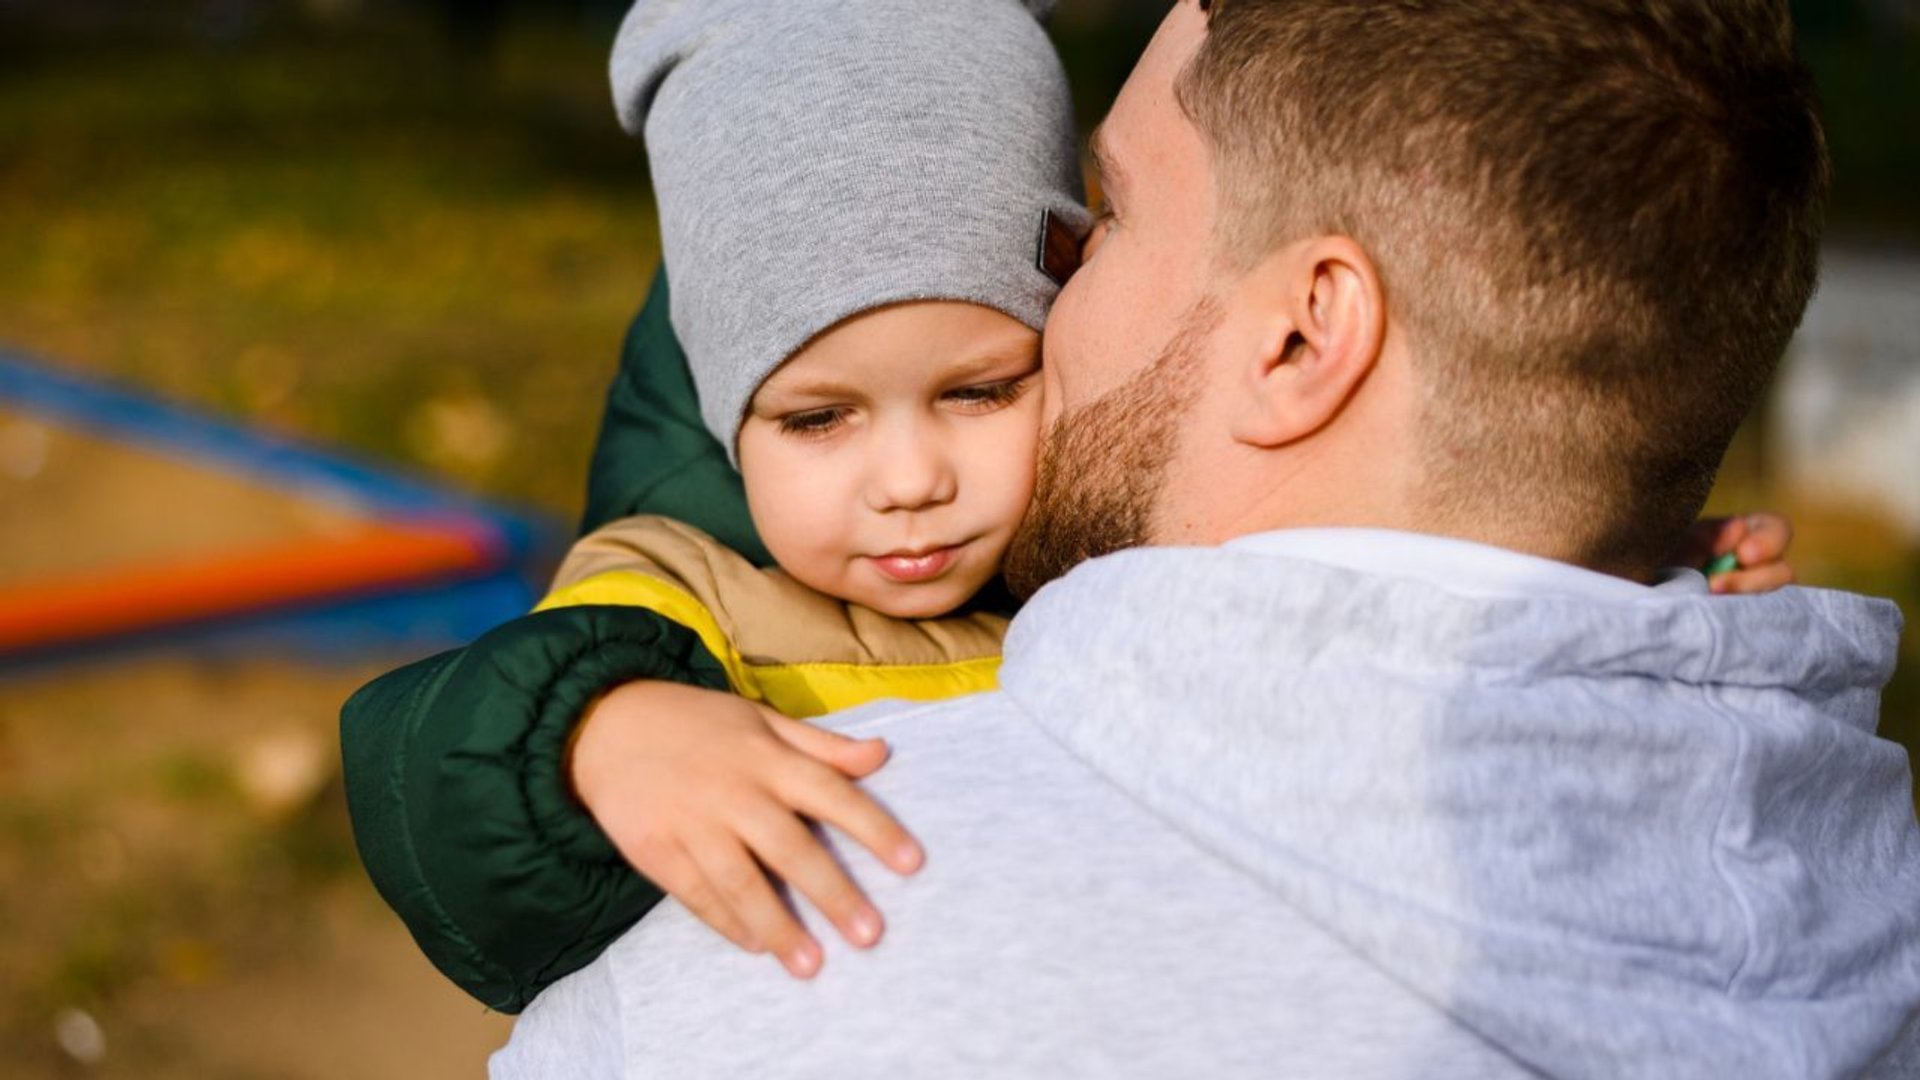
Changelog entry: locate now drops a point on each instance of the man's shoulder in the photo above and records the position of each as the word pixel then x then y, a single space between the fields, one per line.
pixel 956 752
pixel 1059 927
pixel 883 719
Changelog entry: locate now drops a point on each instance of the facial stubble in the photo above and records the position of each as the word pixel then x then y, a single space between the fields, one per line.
pixel 1103 466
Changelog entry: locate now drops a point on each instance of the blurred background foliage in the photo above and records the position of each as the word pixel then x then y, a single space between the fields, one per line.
pixel 414 230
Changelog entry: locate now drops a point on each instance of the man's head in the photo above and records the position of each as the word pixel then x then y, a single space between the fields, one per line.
pixel 1512 271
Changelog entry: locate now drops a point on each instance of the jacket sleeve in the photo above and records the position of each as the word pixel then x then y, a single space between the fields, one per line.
pixel 461 809
pixel 453 764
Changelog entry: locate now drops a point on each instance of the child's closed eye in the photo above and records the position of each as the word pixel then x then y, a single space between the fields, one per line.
pixel 988 397
pixel 814 423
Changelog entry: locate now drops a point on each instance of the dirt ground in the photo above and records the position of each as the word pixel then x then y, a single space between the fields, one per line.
pixel 182 897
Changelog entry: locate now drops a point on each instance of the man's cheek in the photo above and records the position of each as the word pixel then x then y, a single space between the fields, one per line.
pixel 1075 346
pixel 1024 448
pixel 1052 363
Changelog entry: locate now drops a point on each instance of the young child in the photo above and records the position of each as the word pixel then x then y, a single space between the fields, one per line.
pixel 852 198
pixel 852 205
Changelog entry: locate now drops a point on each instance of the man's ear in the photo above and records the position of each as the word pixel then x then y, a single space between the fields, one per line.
pixel 1314 324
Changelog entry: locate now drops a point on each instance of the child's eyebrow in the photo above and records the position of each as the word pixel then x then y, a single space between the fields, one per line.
pixel 810 389
pixel 995 360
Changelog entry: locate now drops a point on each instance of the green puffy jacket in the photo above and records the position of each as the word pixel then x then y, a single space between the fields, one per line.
pixel 453 764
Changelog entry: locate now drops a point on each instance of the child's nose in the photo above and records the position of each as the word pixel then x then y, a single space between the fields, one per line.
pixel 910 470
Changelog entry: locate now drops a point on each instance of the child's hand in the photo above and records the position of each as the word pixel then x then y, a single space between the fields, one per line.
pixel 704 793
pixel 1759 543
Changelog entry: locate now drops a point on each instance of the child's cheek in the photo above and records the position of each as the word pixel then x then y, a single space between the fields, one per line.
pixel 789 497
pixel 1012 456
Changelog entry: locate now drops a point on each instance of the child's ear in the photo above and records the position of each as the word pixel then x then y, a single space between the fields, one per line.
pixel 1314 325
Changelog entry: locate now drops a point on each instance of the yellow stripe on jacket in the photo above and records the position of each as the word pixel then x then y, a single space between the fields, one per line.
pixel 800 690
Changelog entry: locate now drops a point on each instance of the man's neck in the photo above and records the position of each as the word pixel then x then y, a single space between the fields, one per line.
pixel 1368 468
pixel 1349 515
pixel 1458 565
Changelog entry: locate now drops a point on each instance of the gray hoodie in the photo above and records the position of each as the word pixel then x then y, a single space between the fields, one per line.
pixel 1239 812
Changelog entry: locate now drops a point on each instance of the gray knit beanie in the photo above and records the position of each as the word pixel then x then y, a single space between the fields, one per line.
pixel 814 159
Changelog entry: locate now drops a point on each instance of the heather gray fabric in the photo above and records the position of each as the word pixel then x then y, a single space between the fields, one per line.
pixel 1240 814
pixel 814 159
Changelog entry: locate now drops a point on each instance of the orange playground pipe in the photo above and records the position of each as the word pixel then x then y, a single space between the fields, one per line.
pixel 145 597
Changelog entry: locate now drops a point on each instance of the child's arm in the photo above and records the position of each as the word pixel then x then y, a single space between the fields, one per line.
pixel 454 763
pixel 456 781
pixel 707 794
pixel 457 774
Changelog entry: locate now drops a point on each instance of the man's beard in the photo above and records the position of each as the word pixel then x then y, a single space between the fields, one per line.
pixel 1102 466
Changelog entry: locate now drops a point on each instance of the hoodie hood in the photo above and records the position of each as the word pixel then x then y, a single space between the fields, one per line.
pixel 1647 836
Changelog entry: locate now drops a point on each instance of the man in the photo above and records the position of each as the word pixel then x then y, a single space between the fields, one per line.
pixel 1415 333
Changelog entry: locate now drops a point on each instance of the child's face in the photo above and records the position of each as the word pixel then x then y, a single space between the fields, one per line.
pixel 889 462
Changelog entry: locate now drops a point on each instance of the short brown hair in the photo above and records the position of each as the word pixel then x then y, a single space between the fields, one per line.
pixel 1598 220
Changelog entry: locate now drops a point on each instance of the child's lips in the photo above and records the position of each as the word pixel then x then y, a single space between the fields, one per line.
pixel 911 568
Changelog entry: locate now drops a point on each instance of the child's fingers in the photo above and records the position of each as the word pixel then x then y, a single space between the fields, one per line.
pixel 832 799
pixel 743 886
pixel 1755 546
pixel 1760 579
pixel 854 757
pixel 668 865
pixel 1710 538
pixel 791 850
pixel 1766 541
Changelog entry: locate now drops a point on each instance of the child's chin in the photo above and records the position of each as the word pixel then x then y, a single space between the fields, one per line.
pixel 925 602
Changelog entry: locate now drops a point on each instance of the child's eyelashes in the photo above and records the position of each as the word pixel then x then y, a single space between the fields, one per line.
pixel 989 396
pixel 812 424
pixel 977 399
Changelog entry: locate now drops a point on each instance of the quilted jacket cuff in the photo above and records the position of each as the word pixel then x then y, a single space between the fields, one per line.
pixel 460 799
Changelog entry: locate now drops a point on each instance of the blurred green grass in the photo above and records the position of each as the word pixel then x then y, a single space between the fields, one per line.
pixel 352 236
